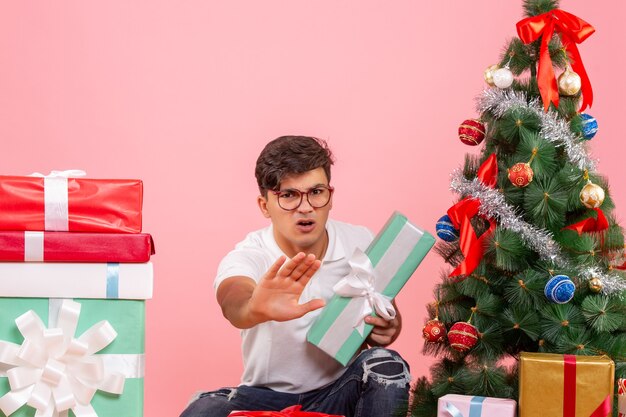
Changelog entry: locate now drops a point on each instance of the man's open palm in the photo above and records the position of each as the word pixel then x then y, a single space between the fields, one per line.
pixel 276 295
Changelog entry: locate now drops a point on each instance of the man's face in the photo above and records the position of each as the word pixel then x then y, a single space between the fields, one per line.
pixel 302 229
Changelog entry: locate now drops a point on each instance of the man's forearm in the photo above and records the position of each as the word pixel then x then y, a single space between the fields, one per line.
pixel 234 299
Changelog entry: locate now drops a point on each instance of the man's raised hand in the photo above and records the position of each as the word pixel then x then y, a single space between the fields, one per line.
pixel 276 296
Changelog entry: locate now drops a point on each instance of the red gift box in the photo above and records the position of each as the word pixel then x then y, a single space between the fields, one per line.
pixel 75 247
pixel 70 204
pixel 293 411
pixel 621 397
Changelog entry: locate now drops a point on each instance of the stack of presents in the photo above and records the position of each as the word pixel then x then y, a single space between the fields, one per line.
pixel 550 385
pixel 74 277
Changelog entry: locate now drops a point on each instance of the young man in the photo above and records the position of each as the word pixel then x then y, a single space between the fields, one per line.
pixel 273 286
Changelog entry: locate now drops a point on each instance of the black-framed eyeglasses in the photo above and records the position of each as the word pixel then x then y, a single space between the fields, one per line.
pixel 290 199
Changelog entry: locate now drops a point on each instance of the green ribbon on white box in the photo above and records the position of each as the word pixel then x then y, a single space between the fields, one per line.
pixel 53 371
pixel 393 256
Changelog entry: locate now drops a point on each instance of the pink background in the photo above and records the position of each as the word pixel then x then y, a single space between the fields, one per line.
pixel 184 94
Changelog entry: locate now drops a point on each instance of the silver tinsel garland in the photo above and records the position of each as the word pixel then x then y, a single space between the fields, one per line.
pixel 553 129
pixel 494 206
pixel 612 284
pixel 539 240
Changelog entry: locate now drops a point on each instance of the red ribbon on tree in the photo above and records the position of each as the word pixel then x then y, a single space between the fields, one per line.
pixel 293 411
pixel 590 224
pixel 573 30
pixel 472 246
pixel 569 391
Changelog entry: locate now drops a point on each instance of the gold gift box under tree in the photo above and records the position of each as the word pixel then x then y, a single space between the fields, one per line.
pixel 553 385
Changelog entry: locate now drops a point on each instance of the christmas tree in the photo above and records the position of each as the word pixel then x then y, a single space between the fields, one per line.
pixel 535 256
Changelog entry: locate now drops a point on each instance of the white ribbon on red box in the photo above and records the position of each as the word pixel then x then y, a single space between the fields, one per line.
pixel 56 199
pixel 33 246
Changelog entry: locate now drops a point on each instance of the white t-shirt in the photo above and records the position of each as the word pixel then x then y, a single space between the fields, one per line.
pixel 276 354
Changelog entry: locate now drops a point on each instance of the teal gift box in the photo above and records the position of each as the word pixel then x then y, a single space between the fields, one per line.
pixel 377 276
pixel 109 338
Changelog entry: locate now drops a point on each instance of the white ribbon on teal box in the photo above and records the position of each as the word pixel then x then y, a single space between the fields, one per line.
pixel 89 360
pixel 393 256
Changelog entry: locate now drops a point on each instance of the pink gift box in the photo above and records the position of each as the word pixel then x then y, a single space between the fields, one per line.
pixel 454 405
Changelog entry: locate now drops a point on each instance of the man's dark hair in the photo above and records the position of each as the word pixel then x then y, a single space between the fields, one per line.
pixel 289 155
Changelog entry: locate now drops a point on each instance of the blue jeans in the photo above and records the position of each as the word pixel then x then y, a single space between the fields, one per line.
pixel 375 384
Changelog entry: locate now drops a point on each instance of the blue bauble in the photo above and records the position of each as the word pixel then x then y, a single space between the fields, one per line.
pixel 445 229
pixel 560 289
pixel 590 126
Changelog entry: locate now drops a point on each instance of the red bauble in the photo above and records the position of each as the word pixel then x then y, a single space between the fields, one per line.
pixel 434 331
pixel 472 132
pixel 521 174
pixel 462 336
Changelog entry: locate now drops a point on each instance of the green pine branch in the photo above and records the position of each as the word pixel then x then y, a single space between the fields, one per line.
pixel 603 314
pixel 489 345
pixel 537 7
pixel 518 320
pixel 485 379
pixel 545 203
pixel 446 378
pixel 561 320
pixel 424 402
pixel 540 151
pixel 508 251
pixel 525 291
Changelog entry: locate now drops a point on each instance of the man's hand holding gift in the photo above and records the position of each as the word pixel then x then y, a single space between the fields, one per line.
pixel 384 332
